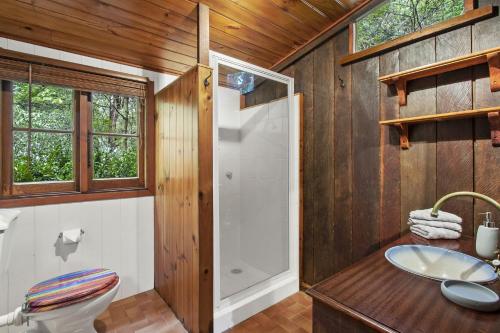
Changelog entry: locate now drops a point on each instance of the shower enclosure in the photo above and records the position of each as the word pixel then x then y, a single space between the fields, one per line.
pixel 256 194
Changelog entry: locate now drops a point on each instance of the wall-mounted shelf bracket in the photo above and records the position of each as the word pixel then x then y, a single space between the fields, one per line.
pixel 490 56
pixel 402 124
pixel 401 88
pixel 404 141
pixel 494 66
pixel 494 121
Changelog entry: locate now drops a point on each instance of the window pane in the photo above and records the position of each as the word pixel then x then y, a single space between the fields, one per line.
pixel 395 18
pixel 51 157
pixel 114 113
pixel 52 107
pixel 22 171
pixel 21 102
pixel 115 157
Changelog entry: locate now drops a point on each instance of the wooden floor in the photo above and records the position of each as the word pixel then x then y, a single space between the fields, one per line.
pixel 147 312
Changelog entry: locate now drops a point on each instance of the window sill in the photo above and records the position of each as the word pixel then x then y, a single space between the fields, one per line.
pixel 68 197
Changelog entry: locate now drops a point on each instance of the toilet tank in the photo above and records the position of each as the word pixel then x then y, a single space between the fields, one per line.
pixel 8 222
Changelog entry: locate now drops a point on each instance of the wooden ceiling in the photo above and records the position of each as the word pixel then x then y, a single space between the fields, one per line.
pixel 161 34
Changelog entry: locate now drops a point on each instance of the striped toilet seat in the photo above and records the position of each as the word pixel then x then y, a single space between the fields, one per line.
pixel 69 289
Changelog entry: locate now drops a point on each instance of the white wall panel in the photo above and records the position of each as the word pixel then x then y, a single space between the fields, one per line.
pixel 118 235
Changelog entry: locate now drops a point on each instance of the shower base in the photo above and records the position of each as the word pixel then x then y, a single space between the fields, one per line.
pixel 237 275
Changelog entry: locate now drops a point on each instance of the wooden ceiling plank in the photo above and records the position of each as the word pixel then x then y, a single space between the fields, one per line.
pixel 249 19
pixel 223 38
pixel 229 18
pixel 304 13
pixel 38 17
pixel 217 21
pixel 45 37
pixel 115 27
pixel 330 7
pixel 224 49
pixel 156 13
pixel 272 14
pixel 131 19
pixel 244 33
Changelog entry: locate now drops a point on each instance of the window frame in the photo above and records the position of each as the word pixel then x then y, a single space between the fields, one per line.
pixel 117 183
pixel 469 5
pixel 83 187
pixel 471 14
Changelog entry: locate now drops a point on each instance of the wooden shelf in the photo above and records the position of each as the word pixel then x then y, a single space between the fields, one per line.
pixel 490 56
pixel 402 124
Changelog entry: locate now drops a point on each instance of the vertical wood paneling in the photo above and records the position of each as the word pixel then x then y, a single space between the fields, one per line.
pixel 37 254
pixel 486 157
pixel 390 159
pixel 205 193
pixel 183 202
pixel 365 158
pixel 304 77
pixel 342 141
pixel 376 184
pixel 454 138
pixel 323 181
pixel 418 164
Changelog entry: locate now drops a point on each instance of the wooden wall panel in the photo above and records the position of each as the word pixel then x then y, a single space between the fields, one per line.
pixel 304 75
pixel 454 150
pixel 183 203
pixel 376 184
pixel 323 179
pixel 390 155
pixel 342 139
pixel 365 158
pixel 486 158
pixel 418 164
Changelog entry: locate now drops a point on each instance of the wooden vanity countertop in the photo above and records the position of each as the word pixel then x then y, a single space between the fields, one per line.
pixel 388 299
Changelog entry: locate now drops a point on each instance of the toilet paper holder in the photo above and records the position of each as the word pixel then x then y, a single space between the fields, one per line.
pixel 82 232
pixel 71 236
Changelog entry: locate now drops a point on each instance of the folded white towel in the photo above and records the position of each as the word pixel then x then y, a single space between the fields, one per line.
pixel 7 216
pixel 436 224
pixel 434 233
pixel 425 214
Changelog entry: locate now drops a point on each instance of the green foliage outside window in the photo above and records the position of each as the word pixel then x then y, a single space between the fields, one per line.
pixel 395 18
pixel 40 156
pixel 43 137
pixel 115 155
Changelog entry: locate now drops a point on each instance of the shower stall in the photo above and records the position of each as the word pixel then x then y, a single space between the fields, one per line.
pixel 256 189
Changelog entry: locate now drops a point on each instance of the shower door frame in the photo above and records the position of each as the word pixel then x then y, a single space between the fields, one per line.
pixel 292 273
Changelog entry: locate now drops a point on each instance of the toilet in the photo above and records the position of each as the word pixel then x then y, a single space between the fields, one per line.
pixel 65 304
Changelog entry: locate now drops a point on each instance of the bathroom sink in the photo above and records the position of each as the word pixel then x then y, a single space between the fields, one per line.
pixel 440 264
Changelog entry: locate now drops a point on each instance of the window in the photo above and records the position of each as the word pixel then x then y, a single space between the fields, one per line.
pixel 67 131
pixel 395 18
pixel 116 139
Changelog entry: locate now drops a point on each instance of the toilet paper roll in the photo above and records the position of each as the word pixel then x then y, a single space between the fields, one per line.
pixel 72 236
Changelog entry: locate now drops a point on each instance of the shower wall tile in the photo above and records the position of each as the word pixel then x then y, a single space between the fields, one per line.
pixel 118 235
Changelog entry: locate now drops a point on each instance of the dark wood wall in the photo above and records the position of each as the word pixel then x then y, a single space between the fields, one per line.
pixel 183 200
pixel 359 186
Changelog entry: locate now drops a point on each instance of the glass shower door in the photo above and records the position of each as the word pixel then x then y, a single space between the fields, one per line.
pixel 252 174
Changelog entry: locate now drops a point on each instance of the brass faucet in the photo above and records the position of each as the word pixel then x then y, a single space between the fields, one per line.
pixel 441 201
pixel 495 262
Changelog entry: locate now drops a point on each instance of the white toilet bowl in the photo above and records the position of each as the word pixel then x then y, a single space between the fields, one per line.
pixel 76 318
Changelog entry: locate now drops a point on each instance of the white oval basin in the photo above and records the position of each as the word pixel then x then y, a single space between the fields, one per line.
pixel 440 264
